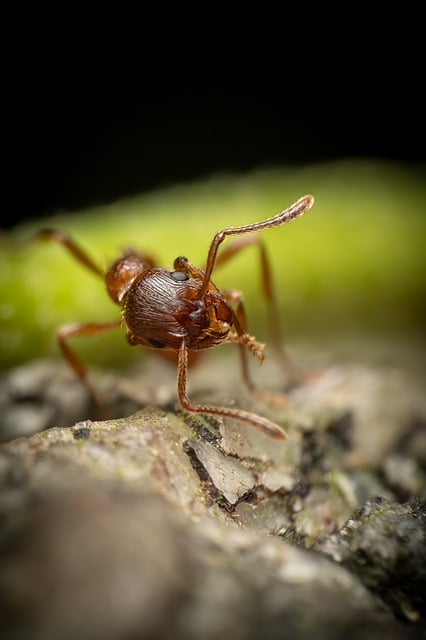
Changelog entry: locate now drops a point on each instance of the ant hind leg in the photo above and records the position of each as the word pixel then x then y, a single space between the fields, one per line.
pixel 247 342
pixel 292 372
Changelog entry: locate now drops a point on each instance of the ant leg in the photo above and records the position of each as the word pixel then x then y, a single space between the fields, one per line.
pixel 83 329
pixel 261 423
pixel 72 247
pixel 244 340
pixel 268 289
pixel 287 215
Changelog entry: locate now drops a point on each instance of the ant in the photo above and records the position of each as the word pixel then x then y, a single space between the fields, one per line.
pixel 183 311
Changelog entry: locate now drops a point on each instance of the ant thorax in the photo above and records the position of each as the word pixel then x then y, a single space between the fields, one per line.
pixel 123 272
pixel 162 308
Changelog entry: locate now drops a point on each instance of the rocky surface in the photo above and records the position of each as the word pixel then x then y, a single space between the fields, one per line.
pixel 163 524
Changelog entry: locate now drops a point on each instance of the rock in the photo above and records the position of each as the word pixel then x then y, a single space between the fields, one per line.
pixel 164 524
pixel 384 543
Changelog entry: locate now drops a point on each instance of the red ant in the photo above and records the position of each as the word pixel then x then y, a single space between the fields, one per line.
pixel 183 310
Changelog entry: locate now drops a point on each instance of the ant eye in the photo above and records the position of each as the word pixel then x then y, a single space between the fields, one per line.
pixel 178 276
pixel 156 343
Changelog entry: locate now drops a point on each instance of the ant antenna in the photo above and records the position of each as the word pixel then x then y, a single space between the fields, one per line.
pixel 293 211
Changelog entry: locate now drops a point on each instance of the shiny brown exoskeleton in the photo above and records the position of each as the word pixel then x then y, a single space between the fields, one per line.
pixel 184 311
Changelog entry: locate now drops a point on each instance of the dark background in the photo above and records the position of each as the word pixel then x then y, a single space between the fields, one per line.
pixel 76 139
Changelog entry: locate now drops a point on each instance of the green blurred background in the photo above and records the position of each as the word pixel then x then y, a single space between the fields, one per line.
pixel 352 268
pixel 165 162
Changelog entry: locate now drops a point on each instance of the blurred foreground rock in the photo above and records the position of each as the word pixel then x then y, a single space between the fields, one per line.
pixel 168 525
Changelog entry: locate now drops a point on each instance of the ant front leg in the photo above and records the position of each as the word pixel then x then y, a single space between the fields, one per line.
pixel 84 329
pixel 261 423
pixel 245 341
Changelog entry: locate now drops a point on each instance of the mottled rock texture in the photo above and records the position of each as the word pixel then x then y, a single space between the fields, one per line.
pixel 163 524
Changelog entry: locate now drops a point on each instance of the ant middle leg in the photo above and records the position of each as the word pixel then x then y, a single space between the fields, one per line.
pixel 84 329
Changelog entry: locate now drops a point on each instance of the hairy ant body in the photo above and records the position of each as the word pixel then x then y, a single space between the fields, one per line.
pixel 183 310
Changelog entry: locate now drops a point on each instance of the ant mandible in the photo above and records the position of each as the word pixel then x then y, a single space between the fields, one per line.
pixel 183 310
